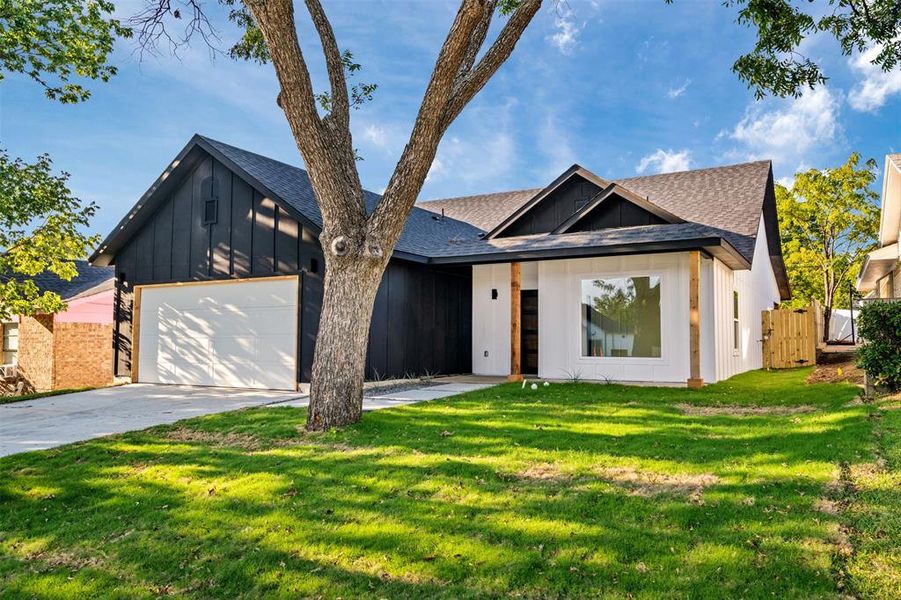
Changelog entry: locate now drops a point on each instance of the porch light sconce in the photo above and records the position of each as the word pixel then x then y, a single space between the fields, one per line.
pixel 494 293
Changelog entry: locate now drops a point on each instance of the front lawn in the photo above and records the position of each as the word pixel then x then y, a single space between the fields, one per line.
pixel 574 490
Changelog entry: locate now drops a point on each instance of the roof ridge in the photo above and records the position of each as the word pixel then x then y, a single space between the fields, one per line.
pixel 701 170
pixel 470 196
pixel 238 148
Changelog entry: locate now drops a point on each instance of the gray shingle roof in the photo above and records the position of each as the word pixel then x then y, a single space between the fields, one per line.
pixel 485 211
pixel 292 184
pixel 89 279
pixel 729 197
pixel 723 202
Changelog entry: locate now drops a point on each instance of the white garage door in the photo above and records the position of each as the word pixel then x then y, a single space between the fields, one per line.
pixel 236 334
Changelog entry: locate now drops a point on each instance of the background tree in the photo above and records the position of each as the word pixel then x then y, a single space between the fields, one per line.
pixel 58 44
pixel 358 244
pixel 828 221
pixel 41 229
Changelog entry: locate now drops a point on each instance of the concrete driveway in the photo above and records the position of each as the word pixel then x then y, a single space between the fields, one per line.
pixel 57 420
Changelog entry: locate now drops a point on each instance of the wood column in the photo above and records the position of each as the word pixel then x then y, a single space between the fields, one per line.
pixel 135 333
pixel 515 322
pixel 694 319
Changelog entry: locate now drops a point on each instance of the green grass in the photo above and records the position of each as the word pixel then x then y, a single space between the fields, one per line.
pixel 575 490
pixel 35 395
pixel 874 509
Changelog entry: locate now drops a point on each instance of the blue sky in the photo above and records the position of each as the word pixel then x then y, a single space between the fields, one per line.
pixel 620 87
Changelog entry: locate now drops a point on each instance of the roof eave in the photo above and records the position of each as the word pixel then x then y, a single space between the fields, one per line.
pixel 713 246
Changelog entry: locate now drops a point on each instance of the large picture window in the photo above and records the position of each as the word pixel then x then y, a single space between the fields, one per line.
pixel 621 317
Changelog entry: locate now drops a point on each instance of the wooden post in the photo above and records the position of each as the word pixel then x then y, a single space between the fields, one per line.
pixel 135 333
pixel 515 324
pixel 694 319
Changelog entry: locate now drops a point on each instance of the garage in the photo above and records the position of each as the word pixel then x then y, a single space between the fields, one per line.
pixel 240 333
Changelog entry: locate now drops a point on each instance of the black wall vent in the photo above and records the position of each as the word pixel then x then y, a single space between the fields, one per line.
pixel 209 194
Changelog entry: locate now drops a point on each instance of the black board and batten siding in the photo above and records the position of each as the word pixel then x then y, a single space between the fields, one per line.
pixel 421 319
pixel 572 196
pixel 554 209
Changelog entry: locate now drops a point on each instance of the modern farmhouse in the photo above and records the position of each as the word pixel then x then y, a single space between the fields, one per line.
pixel 656 279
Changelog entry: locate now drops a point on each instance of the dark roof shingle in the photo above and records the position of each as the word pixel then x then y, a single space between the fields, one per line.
pixel 89 279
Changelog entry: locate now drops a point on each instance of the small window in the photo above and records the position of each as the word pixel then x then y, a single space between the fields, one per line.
pixel 314 265
pixel 10 343
pixel 209 193
pixel 736 328
pixel 209 211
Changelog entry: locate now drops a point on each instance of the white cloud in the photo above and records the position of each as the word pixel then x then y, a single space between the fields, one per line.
pixel 678 91
pixel 875 85
pixel 788 133
pixel 665 161
pixel 376 134
pixel 473 162
pixel 566 37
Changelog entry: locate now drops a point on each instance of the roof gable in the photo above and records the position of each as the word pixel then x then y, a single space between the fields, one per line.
pixel 547 209
pixel 286 185
pixel 616 206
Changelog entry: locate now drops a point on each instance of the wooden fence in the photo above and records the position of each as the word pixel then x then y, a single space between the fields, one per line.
pixel 789 338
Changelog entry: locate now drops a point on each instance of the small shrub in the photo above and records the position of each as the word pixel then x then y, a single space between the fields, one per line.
pixel 879 325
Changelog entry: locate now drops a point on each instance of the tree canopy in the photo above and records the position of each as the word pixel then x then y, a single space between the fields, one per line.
pixel 57 43
pixel 828 221
pixel 41 229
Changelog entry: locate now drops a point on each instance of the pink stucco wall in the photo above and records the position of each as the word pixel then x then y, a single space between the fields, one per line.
pixel 91 309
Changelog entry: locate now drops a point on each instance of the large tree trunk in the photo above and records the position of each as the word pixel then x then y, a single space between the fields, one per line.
pixel 357 244
pixel 336 392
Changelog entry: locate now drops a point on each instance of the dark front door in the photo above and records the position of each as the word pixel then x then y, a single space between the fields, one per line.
pixel 529 331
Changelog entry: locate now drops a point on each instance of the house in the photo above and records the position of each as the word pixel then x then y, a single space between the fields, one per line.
pixel 70 349
pixel 648 279
pixel 880 275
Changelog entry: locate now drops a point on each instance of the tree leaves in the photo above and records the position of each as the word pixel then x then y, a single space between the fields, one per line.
pixel 41 229
pixel 55 41
pixel 775 65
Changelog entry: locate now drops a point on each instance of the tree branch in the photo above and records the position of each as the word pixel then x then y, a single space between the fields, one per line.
pixel 475 43
pixel 340 106
pixel 498 53
pixel 275 18
pixel 416 159
pixel 328 156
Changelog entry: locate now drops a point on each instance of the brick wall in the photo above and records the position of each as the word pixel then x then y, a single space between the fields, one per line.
pixel 82 355
pixel 36 352
pixel 55 355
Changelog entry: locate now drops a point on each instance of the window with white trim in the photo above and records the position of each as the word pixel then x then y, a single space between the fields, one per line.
pixel 620 317
pixel 736 327
pixel 10 343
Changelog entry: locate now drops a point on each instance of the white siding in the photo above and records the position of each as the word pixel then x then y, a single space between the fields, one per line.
pixel 757 291
pixel 559 298
pixel 491 320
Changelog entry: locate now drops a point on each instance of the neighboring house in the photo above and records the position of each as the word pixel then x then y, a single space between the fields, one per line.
pixel 653 279
pixel 70 349
pixel 880 276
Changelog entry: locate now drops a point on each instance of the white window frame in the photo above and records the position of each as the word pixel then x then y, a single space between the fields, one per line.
pixel 632 360
pixel 736 324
